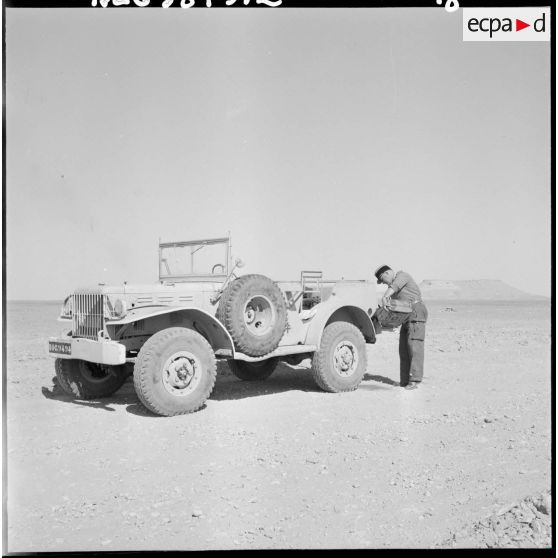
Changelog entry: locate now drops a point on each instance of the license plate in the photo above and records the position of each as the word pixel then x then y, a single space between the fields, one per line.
pixel 60 347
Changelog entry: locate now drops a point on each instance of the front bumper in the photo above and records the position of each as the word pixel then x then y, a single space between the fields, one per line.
pixel 100 352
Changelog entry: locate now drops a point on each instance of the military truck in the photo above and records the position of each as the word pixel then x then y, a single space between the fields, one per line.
pixel 170 334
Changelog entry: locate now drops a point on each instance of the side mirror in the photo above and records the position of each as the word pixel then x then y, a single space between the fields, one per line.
pixel 238 263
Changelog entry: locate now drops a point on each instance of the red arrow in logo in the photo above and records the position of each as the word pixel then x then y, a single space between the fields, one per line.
pixel 519 25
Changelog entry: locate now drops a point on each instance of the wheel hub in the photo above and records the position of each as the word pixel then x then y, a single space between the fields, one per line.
pixel 250 315
pixel 345 358
pixel 181 373
pixel 259 315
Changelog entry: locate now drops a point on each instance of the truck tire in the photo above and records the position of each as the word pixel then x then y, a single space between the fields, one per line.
pixel 253 371
pixel 87 380
pixel 340 363
pixel 253 310
pixel 175 372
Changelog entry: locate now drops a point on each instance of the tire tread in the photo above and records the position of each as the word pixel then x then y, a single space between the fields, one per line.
pixel 320 360
pixel 144 364
pixel 225 314
pixel 67 374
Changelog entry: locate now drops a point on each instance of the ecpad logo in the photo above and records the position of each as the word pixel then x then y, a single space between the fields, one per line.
pixel 493 25
pixel 506 24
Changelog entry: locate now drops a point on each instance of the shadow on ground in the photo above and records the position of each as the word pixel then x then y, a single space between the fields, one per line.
pixel 124 396
pixel 227 388
pixel 381 379
pixel 285 378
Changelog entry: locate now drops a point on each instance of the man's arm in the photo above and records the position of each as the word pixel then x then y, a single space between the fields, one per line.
pixel 386 297
pixel 400 280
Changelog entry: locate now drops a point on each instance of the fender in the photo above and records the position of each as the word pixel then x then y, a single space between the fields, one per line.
pixel 335 313
pixel 214 331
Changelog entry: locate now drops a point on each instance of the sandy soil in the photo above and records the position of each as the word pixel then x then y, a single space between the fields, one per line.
pixel 280 464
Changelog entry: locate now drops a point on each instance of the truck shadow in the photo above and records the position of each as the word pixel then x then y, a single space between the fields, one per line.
pixel 285 378
pixel 227 388
pixel 124 396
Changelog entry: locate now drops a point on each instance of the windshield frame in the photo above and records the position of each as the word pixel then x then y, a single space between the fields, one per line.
pixel 196 276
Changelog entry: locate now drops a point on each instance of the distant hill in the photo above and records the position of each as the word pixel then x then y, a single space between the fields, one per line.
pixel 473 289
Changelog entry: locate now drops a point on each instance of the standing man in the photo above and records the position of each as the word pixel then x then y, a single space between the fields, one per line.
pixel 402 306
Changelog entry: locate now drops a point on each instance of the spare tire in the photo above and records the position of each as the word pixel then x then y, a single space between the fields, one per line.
pixel 253 310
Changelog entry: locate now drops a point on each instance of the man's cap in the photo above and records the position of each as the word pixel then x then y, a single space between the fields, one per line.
pixel 380 270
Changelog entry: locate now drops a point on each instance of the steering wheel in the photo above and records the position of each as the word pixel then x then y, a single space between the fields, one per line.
pixel 218 265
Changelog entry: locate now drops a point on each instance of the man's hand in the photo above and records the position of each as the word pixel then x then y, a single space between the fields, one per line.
pixel 385 302
pixel 386 299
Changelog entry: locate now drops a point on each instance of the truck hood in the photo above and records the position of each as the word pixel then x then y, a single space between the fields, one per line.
pixel 156 294
pixel 151 288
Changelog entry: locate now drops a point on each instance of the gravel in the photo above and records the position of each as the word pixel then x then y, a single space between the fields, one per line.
pixel 526 524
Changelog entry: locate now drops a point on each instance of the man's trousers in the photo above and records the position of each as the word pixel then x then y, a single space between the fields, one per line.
pixel 411 339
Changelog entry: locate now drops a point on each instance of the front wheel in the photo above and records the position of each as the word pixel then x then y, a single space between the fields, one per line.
pixel 340 363
pixel 87 380
pixel 253 371
pixel 175 372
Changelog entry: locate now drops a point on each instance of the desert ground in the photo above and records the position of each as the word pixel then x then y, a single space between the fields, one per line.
pixel 464 461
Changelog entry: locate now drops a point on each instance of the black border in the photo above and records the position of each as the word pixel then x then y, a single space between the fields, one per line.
pixel 289 4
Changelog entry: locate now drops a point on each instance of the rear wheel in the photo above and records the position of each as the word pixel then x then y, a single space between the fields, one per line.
pixel 340 362
pixel 88 380
pixel 175 372
pixel 253 371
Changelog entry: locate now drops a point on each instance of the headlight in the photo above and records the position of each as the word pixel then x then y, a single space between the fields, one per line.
pixel 67 307
pixel 120 308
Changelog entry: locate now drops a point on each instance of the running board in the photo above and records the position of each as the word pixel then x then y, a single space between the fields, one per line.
pixel 284 350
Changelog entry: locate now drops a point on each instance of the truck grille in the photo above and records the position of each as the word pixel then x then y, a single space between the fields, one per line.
pixel 88 318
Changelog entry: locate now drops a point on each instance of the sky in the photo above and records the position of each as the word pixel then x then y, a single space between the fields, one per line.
pixel 335 140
